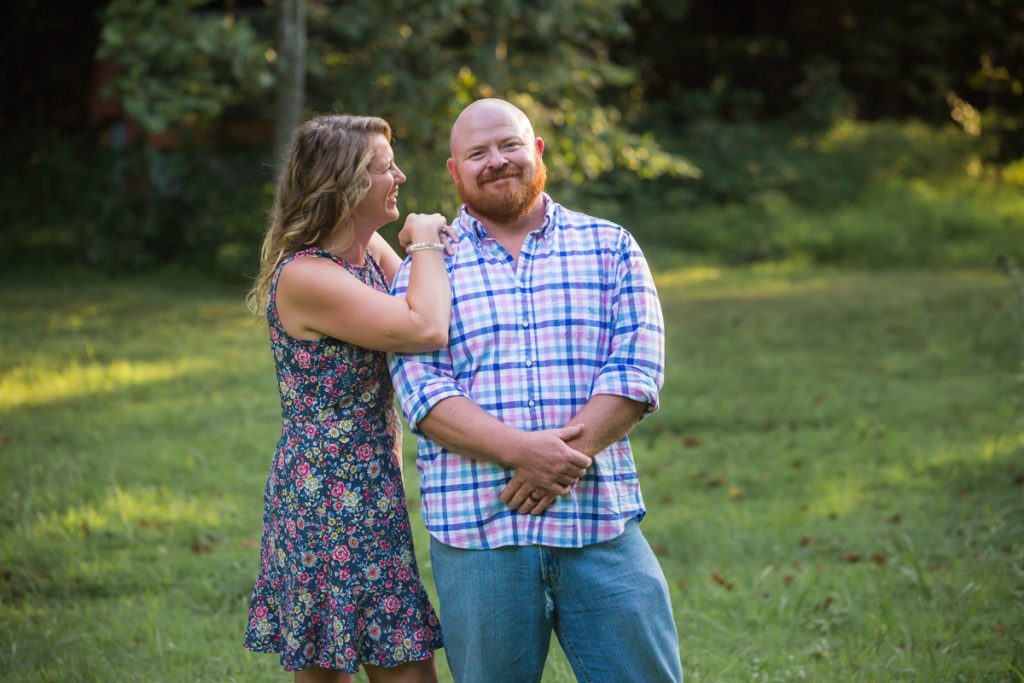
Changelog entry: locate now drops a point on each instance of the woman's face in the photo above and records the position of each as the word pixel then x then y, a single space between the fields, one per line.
pixel 380 205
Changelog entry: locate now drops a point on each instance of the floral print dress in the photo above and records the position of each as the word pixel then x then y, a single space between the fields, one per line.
pixel 338 583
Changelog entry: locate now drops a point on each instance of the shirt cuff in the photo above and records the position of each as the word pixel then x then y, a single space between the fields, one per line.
pixel 629 383
pixel 426 397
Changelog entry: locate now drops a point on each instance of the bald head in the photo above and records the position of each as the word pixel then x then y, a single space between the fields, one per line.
pixel 488 114
pixel 497 163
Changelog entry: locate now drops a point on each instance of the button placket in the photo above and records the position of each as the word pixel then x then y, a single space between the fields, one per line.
pixel 527 324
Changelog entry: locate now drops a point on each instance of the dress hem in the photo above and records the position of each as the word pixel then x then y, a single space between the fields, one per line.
pixel 391 665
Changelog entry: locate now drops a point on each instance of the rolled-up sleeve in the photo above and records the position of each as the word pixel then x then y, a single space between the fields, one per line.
pixel 421 380
pixel 635 367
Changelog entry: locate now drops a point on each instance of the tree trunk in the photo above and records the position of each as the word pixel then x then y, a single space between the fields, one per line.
pixel 291 74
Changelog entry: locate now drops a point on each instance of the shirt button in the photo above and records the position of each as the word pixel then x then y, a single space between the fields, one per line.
pixel 526 323
pixel 531 403
pixel 529 363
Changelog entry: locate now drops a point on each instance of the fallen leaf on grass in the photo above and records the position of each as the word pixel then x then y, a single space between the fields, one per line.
pixel 681 585
pixel 828 602
pixel 851 557
pixel 691 441
pixel 666 499
pixel 895 519
pixel 788 579
pixel 735 492
pixel 806 541
pixel 878 558
pixel 3 440
pixel 721 581
pixel 201 548
pixel 717 481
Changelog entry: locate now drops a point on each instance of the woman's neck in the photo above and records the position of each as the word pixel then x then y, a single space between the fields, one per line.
pixel 350 247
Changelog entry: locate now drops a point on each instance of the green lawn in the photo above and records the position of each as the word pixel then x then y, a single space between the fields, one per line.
pixel 835 481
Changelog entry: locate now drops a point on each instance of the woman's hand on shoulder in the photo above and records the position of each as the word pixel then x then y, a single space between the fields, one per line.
pixel 427 228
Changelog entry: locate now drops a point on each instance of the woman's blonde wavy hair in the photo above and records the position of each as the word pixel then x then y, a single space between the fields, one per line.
pixel 325 178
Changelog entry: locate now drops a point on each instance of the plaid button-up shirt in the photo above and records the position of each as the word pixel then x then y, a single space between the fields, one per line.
pixel 530 343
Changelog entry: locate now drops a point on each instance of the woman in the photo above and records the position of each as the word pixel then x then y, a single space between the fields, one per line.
pixel 338 585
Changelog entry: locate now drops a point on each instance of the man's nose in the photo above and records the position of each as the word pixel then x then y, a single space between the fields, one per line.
pixel 495 158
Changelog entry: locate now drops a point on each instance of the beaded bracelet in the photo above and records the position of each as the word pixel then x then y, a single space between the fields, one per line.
pixel 420 246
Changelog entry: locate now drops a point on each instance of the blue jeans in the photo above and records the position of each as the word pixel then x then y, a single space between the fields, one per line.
pixel 607 603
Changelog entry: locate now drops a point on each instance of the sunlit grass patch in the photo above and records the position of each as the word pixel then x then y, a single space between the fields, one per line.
pixel 33 385
pixel 127 511
pixel 687 276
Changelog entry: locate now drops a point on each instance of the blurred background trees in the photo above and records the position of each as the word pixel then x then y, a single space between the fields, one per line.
pixel 858 131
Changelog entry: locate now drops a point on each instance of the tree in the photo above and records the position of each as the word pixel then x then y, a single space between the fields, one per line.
pixel 417 64
pixel 180 65
pixel 291 79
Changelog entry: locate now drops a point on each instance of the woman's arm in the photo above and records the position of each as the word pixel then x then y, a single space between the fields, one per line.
pixel 317 298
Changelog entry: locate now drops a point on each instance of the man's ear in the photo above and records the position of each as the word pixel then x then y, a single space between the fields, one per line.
pixel 451 169
pixel 539 142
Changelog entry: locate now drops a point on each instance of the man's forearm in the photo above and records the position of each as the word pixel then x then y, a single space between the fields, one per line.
pixel 461 426
pixel 607 418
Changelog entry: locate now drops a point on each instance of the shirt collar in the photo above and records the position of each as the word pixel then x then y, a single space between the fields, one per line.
pixel 476 230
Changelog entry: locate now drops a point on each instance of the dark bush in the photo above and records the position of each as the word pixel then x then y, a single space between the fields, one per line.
pixel 71 200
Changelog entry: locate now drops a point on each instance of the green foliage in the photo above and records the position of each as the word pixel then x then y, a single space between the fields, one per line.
pixel 833 480
pixel 721 128
pixel 871 194
pixel 419 71
pixel 55 191
pixel 135 208
pixel 180 64
pixel 823 58
pixel 822 97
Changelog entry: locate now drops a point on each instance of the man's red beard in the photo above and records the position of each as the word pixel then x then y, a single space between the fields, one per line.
pixel 510 205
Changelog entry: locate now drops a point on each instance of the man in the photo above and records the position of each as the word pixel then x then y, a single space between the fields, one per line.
pixel 529 491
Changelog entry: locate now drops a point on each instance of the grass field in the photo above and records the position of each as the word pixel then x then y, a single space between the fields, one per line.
pixel 835 481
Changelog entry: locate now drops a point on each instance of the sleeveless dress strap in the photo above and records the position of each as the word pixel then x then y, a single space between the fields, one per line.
pixel 272 316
